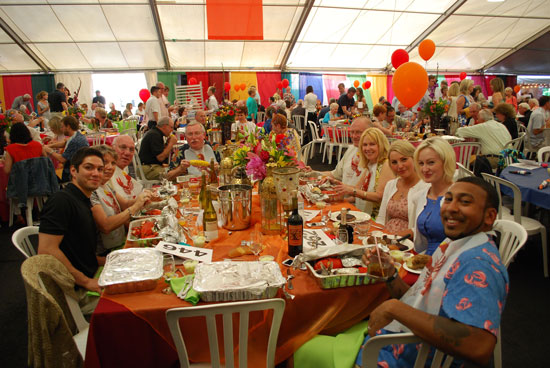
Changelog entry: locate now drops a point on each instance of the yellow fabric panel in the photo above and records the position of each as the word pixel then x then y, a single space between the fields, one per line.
pixel 2 103
pixel 248 78
pixel 378 88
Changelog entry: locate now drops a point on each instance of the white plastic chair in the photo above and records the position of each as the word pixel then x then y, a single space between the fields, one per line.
pixel 40 200
pixel 315 139
pixel 261 116
pixel 466 150
pixel 140 176
pixel 532 226
pixel 543 154
pixel 514 143
pixel 227 310
pixel 343 139
pixel 374 344
pixel 20 239
pixel 299 124
pixel 306 152
pixel 97 138
pixel 512 238
pixel 462 172
pixel 132 132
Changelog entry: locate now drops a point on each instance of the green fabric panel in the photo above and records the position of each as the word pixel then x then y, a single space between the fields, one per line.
pixel 171 80
pixel 42 82
pixel 361 78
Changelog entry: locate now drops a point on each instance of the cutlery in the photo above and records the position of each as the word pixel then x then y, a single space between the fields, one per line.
pixel 289 279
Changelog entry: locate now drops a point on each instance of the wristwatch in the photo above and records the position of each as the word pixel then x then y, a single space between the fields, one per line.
pixel 355 192
pixel 392 277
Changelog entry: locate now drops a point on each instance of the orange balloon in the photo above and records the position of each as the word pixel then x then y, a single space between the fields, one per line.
pixel 237 87
pixel 426 49
pixel 517 88
pixel 243 86
pixel 410 83
pixel 356 83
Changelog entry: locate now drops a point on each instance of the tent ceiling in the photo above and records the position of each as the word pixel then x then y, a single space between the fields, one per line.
pixel 77 35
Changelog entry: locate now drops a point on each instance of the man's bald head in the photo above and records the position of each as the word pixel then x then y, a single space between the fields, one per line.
pixel 357 128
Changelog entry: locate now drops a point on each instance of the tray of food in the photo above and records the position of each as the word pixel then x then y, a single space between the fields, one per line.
pixel 131 270
pixel 232 281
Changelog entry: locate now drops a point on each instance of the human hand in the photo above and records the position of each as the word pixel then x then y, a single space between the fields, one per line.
pixel 92 285
pixel 381 316
pixel 184 165
pixel 172 140
pixel 343 189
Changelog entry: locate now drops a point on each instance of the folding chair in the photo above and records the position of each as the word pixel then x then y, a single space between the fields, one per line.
pixel 465 152
pixel 21 240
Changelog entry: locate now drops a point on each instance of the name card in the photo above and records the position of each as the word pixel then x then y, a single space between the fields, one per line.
pixel 185 251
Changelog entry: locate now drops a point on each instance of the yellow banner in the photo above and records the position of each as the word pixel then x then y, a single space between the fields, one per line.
pixel 237 79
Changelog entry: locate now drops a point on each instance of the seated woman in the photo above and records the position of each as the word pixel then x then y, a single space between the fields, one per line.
pixel 55 132
pixel 373 150
pixel 128 112
pixel 395 212
pixel 102 118
pixel 114 114
pixel 242 128
pixel 506 114
pixel 332 115
pixel 280 127
pixel 110 210
pixel 21 147
pixel 379 111
pixel 435 162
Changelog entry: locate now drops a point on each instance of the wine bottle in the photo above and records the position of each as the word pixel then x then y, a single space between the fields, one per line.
pixel 213 175
pixel 295 226
pixel 202 194
pixel 345 231
pixel 209 219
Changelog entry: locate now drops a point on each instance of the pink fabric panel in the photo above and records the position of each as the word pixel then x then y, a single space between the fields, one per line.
pixel 267 85
pixel 389 88
pixel 331 81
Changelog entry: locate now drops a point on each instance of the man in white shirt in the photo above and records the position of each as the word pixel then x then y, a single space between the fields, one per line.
pixel 538 121
pixel 121 181
pixel 152 107
pixel 491 134
pixel 163 101
pixel 348 171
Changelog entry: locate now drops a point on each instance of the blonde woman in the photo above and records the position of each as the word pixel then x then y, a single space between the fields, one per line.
pixel 395 212
pixel 128 112
pixel 435 161
pixel 464 101
pixel 454 91
pixel 497 85
pixel 368 193
pixel 43 106
pixel 509 98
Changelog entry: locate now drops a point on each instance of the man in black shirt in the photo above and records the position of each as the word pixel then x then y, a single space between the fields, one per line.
pixel 153 152
pixel 346 102
pixel 58 99
pixel 67 227
pixel 99 98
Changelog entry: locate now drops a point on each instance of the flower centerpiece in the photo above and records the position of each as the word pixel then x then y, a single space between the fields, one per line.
pixel 434 109
pixel 224 117
pixel 77 112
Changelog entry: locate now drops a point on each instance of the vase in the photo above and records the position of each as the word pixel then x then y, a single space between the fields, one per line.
pixel 240 176
pixel 272 218
pixel 226 132
pixel 286 181
pixel 435 121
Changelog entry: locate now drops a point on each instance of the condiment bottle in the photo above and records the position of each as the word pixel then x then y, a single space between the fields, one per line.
pixel 295 225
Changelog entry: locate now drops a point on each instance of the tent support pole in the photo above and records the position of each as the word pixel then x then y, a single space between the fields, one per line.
pixel 297 31
pixel 15 37
pixel 160 33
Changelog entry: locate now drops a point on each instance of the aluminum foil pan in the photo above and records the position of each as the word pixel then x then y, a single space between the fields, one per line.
pixel 231 281
pixel 132 269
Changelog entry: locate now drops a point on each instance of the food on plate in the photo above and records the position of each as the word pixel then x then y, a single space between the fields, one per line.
pixel 419 261
pixel 375 239
pixel 199 163
pixel 320 204
pixel 398 246
pixel 239 251
pixel 145 230
pixel 349 217
pixel 397 255
pixel 316 190
pixel 154 212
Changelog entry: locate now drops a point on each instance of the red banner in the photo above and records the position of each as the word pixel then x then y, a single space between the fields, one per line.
pixel 235 19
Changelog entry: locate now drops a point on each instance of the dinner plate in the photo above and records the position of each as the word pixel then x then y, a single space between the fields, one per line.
pixel 408 243
pixel 359 216
pixel 418 272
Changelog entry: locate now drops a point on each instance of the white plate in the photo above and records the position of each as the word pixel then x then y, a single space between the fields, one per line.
pixel 359 216
pixel 418 272
pixel 378 234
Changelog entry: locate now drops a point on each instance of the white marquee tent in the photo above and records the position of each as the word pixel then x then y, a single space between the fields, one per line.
pixel 298 35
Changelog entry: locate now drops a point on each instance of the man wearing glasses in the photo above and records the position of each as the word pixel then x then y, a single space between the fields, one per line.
pixel 195 149
pixel 121 181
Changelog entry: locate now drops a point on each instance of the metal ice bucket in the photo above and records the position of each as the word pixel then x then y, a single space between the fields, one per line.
pixel 236 205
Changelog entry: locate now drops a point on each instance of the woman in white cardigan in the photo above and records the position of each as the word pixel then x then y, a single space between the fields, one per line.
pixel 396 213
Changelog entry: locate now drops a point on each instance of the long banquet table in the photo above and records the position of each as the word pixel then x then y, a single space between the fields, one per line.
pixel 130 330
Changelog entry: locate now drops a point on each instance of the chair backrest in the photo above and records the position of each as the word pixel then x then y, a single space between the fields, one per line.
pixel 299 122
pixel 97 138
pixel 496 182
pixel 132 132
pixel 137 167
pixel 342 134
pixel 227 310
pixel 521 128
pixel 543 154
pixel 512 237
pixel 463 171
pixel 372 348
pixel 515 143
pixel 20 239
pixel 305 152
pixel 313 130
pixel 261 116
pixel 465 152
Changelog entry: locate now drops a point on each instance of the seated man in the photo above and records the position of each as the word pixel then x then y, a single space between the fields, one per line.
pixel 153 152
pixel 457 301
pixel 121 181
pixel 195 149
pixel 537 122
pixel 67 228
pixel 69 127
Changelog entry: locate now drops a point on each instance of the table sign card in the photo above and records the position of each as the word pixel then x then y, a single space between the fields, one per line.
pixel 309 215
pixel 186 251
pixel 314 239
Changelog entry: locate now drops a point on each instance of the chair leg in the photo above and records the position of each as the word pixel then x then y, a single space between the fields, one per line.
pixel 497 354
pixel 12 211
pixel 30 205
pixel 544 250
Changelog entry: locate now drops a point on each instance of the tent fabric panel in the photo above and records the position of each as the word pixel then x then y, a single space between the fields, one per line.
pixel 267 85
pixel 14 58
pixel 217 80
pixel 48 29
pixel 218 53
pixel 131 22
pixel 509 8
pixel 14 86
pixel 411 5
pixel 4 38
pixel 72 19
pixel 258 54
pixel 378 87
pixel 457 59
pixel 170 80
pixel 280 21
pixel 142 54
pixel 72 81
pixel 200 77
pixel 194 26
pixel 328 25
pixel 63 55
pixel 236 20
pixel 249 79
pixel 186 54
pixel 2 99
pixel 103 55
pixel 41 82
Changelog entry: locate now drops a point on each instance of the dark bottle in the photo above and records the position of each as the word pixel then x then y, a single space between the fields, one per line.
pixel 213 174
pixel 345 231
pixel 202 194
pixel 295 225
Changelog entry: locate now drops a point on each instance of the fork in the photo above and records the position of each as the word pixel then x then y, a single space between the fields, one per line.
pixel 289 279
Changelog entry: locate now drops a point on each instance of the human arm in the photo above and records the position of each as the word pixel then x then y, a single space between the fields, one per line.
pixel 35 122
pixel 8 162
pixel 167 149
pixel 455 338
pixel 386 131
pixel 460 102
pixel 58 144
pixel 64 105
pixel 48 151
pixel 346 110
pixel 181 169
pixel 49 244
pixel 106 224
pixel 385 175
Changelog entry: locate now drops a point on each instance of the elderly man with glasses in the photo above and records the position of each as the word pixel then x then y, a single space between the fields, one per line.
pixel 121 181
pixel 195 149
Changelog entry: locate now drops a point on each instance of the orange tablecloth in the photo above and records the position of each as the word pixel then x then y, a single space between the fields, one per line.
pixel 131 329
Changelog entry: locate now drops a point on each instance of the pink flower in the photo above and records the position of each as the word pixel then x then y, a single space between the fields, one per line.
pixel 255 167
pixel 264 155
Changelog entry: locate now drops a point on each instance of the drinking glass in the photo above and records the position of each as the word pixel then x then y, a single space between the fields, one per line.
pixel 341 236
pixel 169 267
pixel 362 229
pixel 255 243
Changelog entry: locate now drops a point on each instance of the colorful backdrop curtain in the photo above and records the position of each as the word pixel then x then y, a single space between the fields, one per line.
pixel 331 82
pixel 44 82
pixel 378 88
pixel 217 79
pixel 314 80
pixel 201 77
pixel 2 99
pixel 14 86
pixel 267 85
pixel 249 79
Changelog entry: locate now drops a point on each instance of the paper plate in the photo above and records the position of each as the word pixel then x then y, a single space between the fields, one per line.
pixel 378 234
pixel 418 272
pixel 359 216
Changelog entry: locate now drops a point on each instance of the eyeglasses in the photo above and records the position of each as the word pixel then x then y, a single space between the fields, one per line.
pixel 192 134
pixel 126 148
pixel 356 132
